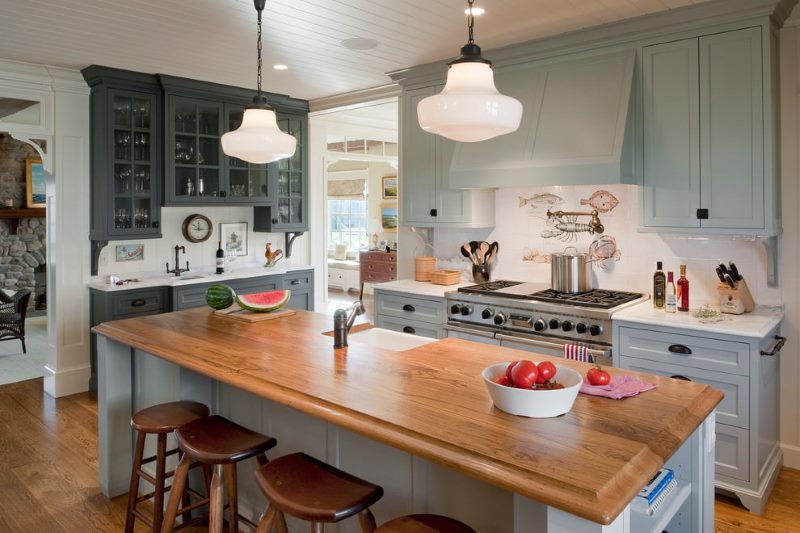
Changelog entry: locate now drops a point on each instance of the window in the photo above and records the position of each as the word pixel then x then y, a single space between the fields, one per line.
pixel 347 222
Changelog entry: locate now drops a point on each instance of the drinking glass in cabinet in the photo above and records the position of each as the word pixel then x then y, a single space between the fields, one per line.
pixel 141 180
pixel 122 112
pixel 123 180
pixel 122 218
pixel 185 120
pixel 296 184
pixel 141 114
pixel 283 184
pixel 123 141
pixel 209 121
pixel 141 217
pixel 141 151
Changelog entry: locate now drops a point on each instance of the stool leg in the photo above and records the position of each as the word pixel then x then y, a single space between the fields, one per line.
pixel 266 520
pixel 262 459
pixel 178 486
pixel 317 527
pixel 367 521
pixel 233 498
pixel 217 503
pixel 281 521
pixel 161 467
pixel 133 491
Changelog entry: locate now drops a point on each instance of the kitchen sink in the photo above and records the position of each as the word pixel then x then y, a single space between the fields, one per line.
pixel 381 338
pixel 189 277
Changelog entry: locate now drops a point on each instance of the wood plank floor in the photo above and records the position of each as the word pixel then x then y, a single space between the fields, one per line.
pixel 48 472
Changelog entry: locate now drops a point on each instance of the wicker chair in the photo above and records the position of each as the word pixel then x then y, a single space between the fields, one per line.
pixel 12 316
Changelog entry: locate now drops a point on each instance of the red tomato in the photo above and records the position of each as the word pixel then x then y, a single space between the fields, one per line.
pixel 524 374
pixel 510 366
pixel 547 371
pixel 503 380
pixel 598 376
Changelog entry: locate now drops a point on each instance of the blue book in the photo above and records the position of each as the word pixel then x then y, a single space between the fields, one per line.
pixel 652 490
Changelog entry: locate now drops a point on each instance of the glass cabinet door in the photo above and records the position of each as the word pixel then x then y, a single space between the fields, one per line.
pixel 247 182
pixel 195 152
pixel 290 183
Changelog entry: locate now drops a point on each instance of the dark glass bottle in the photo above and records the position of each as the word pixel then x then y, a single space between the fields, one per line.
pixel 659 287
pixel 683 291
pixel 220 259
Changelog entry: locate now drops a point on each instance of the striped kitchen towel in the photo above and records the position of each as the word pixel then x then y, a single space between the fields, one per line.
pixel 577 352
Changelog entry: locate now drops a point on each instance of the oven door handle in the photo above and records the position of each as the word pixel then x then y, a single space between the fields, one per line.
pixel 469 331
pixel 549 345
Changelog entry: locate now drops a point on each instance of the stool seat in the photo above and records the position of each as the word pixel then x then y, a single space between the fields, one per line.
pixel 216 440
pixel 167 417
pixel 306 488
pixel 424 523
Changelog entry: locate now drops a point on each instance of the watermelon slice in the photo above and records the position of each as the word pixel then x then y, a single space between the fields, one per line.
pixel 263 302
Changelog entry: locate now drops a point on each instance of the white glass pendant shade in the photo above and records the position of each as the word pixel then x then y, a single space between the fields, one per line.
pixel 469 108
pixel 258 139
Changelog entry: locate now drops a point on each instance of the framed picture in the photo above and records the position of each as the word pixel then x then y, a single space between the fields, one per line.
pixel 130 252
pixel 389 187
pixel 389 220
pixel 234 238
pixel 34 183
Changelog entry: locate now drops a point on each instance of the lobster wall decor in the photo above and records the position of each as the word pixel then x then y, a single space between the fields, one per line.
pixel 566 226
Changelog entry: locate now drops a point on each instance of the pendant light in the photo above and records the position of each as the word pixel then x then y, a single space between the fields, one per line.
pixel 469 108
pixel 258 139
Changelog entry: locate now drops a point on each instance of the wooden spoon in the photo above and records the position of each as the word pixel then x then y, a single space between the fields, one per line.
pixel 473 247
pixel 465 252
pixel 484 252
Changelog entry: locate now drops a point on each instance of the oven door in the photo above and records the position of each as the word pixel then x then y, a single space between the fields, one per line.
pixel 472 333
pixel 547 346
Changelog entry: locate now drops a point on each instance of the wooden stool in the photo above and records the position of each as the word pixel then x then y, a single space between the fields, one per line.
pixel 159 420
pixel 218 442
pixel 309 489
pixel 424 523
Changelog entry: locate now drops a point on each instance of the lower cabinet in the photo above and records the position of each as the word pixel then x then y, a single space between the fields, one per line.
pixel 188 296
pixel 410 313
pixel 746 370
pixel 301 283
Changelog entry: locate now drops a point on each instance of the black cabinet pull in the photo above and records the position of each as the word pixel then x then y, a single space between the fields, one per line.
pixel 682 378
pixel 433 212
pixel 155 223
pixel 775 348
pixel 274 220
pixel 138 302
pixel 681 349
pixel 409 308
pixel 295 282
pixel 409 329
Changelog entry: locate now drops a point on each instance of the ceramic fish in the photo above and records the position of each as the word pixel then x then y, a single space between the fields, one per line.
pixel 534 256
pixel 603 201
pixel 541 200
pixel 603 249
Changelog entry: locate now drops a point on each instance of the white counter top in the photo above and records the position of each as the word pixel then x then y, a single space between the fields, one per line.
pixel 756 324
pixel 192 277
pixel 420 288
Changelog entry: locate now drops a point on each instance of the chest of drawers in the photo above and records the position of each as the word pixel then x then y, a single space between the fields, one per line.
pixel 376 267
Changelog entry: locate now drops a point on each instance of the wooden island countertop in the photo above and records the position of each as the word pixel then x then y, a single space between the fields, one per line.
pixel 431 401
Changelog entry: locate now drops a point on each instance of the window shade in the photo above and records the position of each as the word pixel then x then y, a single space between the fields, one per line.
pixel 347 188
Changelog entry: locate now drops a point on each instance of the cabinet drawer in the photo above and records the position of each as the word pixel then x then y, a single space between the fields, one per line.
pixel 735 406
pixel 130 303
pixel 378 276
pixel 732 452
pixel 700 352
pixel 378 267
pixel 415 327
pixel 411 308
pixel 382 257
pixel 298 280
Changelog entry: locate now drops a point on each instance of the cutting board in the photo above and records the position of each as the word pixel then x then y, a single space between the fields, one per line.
pixel 237 313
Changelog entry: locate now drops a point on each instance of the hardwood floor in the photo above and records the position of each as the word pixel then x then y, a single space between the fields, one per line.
pixel 48 472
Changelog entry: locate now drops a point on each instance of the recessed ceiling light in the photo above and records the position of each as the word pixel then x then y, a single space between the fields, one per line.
pixel 476 11
pixel 359 43
pixel 280 66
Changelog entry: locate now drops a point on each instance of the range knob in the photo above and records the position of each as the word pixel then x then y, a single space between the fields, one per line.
pixel 455 309
pixel 487 313
pixel 580 327
pixel 500 319
pixel 596 330
pixel 566 325
pixel 555 323
pixel 466 310
pixel 540 325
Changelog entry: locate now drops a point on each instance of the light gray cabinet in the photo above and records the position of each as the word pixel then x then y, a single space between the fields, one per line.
pixel 426 198
pixel 748 455
pixel 703 124
pixel 410 313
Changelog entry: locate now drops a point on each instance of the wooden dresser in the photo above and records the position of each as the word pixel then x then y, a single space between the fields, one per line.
pixel 376 267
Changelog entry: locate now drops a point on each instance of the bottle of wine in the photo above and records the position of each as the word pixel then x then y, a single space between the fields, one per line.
pixel 671 305
pixel 220 259
pixel 659 287
pixel 683 291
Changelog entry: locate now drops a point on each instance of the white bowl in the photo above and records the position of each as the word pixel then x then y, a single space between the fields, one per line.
pixel 533 403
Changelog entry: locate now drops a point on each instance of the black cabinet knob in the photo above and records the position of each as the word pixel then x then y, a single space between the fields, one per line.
pixel 487 313
pixel 295 282
pixel 540 325
pixel 433 212
pixel 595 330
pixel 580 327
pixel 682 378
pixel 409 329
pixel 138 302
pixel 566 325
pixel 555 323
pixel 680 349
pixel 408 307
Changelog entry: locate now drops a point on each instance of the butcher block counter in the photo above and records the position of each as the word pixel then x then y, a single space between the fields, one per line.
pixel 428 404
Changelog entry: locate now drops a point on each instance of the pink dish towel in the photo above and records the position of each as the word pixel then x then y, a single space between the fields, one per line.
pixel 576 352
pixel 620 387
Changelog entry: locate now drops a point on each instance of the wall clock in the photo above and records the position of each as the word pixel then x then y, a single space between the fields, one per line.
pixel 197 228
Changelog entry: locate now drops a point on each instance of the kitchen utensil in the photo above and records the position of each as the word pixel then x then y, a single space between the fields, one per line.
pixel 734 271
pixel 723 268
pixel 473 249
pixel 493 252
pixel 533 403
pixel 729 281
pixel 570 272
pixel 720 275
pixel 483 252
pixel 466 253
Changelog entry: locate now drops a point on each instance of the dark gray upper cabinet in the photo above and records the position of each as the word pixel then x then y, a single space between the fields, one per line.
pixel 126 156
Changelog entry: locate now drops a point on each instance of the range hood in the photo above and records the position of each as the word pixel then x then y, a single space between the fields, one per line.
pixel 576 127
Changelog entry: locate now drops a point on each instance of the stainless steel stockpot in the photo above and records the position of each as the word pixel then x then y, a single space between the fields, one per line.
pixel 570 272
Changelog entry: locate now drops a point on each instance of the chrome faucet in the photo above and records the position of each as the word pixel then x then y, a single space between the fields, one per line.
pixel 178 270
pixel 342 322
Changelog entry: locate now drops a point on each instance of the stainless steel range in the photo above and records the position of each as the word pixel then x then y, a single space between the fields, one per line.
pixel 522 315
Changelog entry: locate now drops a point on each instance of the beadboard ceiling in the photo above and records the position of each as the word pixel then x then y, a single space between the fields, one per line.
pixel 215 39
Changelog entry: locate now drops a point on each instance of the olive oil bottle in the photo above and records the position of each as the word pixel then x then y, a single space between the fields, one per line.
pixel 659 287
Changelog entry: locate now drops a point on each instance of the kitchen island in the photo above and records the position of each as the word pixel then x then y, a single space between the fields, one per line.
pixel 419 422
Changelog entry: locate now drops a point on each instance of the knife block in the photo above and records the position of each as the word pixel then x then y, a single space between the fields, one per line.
pixel 735 301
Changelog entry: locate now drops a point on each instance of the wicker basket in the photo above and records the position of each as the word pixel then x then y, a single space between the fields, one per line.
pixel 445 277
pixel 423 266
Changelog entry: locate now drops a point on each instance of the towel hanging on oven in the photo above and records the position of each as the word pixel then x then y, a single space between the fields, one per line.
pixel 577 352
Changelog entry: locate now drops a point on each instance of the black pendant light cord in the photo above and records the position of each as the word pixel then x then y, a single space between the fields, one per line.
pixel 470 21
pixel 259 101
pixel 470 52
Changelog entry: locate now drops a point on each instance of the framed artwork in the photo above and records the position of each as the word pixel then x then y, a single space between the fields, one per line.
pixel 389 187
pixel 389 220
pixel 130 252
pixel 234 238
pixel 34 183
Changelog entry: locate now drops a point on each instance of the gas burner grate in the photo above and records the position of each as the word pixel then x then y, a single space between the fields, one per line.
pixel 489 286
pixel 598 298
